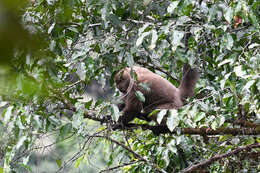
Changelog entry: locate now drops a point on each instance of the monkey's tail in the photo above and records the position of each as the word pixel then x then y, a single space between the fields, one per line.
pixel 190 77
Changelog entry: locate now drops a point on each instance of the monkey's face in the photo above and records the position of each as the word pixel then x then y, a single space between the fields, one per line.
pixel 122 79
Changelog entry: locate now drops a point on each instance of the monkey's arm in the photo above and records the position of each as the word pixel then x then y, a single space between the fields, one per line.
pixel 121 106
pixel 142 116
pixel 132 108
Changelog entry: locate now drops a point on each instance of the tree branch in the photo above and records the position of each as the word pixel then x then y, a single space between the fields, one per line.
pixel 163 129
pixel 117 167
pixel 244 123
pixel 220 156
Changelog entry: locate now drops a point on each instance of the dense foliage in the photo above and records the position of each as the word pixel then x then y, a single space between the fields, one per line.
pixel 58 60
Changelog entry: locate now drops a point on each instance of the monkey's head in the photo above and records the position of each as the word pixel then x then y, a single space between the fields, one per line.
pixel 122 79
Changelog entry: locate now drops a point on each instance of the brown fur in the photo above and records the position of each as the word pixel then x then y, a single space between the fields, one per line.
pixel 162 94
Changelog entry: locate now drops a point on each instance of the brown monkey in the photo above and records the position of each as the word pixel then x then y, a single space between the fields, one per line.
pixel 162 94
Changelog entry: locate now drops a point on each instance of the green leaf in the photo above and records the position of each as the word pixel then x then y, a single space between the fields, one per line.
pixel 160 115
pixel 8 113
pixel 187 9
pixel 37 121
pixel 248 85
pixel 104 15
pixel 19 123
pixel 81 71
pixel 140 96
pixel 224 81
pixel 239 71
pixel 79 160
pixel 146 2
pixel 145 86
pixel 155 112
pixel 20 142
pixel 224 138
pixel 143 29
pixel 139 41
pixel 226 61
pixel 115 20
pixel 199 116
pixel 251 46
pixel 254 20
pixel 214 125
pixel 193 111
pixel 115 112
pixel 78 54
pixel 65 130
pixel 172 147
pixel 227 42
pixel 25 167
pixel 154 39
pixel 2 104
pixel 172 6
pixel 221 120
pixel 172 120
pixel 59 163
pixel 165 157
pixel 88 104
pixel 54 120
pixel 227 97
pixel 176 39
pixel 51 28
pixel 77 119
pixel 130 60
pixel 196 32
pixel 229 14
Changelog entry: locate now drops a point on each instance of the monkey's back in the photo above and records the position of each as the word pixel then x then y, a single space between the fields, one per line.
pixel 161 90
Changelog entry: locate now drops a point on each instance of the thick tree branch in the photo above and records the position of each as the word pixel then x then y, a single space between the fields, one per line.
pixel 162 129
pixel 220 156
pixel 244 123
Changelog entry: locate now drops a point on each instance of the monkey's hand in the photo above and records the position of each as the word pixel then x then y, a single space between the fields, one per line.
pixel 117 126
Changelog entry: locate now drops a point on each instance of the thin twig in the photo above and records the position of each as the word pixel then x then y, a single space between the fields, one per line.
pixel 133 152
pixel 218 157
pixel 117 167
pixel 78 154
pixel 71 86
pixel 159 69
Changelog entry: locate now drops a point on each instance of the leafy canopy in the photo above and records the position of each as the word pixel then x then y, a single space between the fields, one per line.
pixel 58 60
